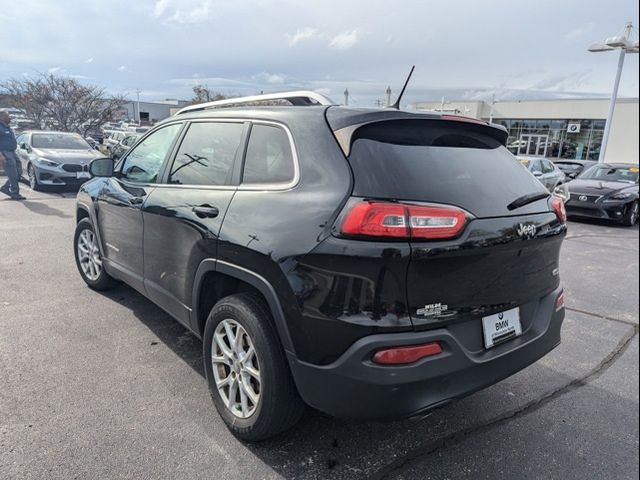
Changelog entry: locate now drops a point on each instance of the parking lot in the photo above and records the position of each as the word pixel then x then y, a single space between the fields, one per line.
pixel 109 386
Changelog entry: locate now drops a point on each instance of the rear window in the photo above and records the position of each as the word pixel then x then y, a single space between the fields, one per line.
pixel 439 162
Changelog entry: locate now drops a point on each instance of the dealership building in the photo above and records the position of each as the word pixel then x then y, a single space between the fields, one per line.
pixel 558 128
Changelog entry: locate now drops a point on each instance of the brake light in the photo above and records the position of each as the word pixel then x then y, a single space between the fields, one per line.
pixel 396 220
pixel 558 206
pixel 405 355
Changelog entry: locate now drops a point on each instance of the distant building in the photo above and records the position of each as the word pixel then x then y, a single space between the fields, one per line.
pixel 558 128
pixel 152 112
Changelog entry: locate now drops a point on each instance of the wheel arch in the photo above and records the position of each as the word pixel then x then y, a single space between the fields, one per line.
pixel 223 278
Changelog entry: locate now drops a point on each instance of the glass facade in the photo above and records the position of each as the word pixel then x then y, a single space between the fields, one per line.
pixel 571 139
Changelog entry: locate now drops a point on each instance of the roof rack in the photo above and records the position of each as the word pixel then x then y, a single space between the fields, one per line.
pixel 302 98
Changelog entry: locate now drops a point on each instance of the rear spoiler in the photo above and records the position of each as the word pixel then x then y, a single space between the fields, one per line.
pixel 345 123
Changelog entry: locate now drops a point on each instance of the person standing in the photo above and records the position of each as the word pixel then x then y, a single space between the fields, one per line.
pixel 12 165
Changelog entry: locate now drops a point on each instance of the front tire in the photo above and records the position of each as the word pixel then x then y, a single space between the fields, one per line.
pixel 631 215
pixel 246 369
pixel 32 178
pixel 88 259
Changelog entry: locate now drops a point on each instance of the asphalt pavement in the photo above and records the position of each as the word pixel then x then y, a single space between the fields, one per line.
pixel 109 386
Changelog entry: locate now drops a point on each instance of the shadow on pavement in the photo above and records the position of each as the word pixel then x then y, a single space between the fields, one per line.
pixel 42 208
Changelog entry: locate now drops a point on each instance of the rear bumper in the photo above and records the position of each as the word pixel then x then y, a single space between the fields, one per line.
pixel 354 387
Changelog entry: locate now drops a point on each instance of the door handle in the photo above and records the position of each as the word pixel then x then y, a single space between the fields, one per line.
pixel 206 211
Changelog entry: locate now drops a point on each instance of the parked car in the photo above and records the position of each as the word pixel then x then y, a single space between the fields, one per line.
pixel 606 190
pixel 124 145
pixel 573 168
pixel 369 263
pixel 114 138
pixel 54 158
pixel 544 170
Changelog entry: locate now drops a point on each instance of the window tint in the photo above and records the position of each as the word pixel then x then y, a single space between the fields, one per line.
pixel 547 167
pixel 143 163
pixel 536 166
pixel 206 154
pixel 269 158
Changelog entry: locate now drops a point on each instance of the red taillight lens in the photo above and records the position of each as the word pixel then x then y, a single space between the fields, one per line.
pixel 436 222
pixel 376 219
pixel 558 206
pixel 385 219
pixel 408 354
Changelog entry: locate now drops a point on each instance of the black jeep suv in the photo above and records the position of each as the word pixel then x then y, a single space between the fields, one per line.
pixel 369 263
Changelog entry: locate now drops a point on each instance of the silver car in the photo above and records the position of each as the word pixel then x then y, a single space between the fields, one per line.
pixel 544 170
pixel 55 158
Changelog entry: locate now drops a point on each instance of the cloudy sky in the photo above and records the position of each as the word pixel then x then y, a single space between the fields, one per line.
pixel 461 49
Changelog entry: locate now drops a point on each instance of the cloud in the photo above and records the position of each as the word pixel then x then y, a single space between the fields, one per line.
pixel 566 81
pixel 89 60
pixel 53 70
pixel 182 12
pixel 301 35
pixel 122 68
pixel 580 31
pixel 160 7
pixel 345 40
pixel 270 78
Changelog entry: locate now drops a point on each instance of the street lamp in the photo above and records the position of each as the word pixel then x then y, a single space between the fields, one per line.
pixel 625 45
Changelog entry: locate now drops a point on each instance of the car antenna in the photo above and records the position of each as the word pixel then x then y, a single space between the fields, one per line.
pixel 397 104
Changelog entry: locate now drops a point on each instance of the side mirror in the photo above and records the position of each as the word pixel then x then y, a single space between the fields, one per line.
pixel 24 146
pixel 537 173
pixel 101 167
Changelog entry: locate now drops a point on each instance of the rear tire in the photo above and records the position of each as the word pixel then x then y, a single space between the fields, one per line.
pixel 631 215
pixel 257 399
pixel 88 258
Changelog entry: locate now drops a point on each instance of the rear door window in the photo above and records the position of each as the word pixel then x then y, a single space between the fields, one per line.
pixel 440 162
pixel 206 154
pixel 269 158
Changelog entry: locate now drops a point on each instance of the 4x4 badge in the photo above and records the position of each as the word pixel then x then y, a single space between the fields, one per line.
pixel 432 310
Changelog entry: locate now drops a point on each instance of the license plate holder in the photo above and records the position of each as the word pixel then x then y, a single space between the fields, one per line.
pixel 501 327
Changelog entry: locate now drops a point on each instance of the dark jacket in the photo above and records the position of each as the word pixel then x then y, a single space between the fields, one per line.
pixel 7 139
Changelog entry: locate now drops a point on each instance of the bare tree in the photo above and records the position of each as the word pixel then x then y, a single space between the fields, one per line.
pixel 203 94
pixel 62 103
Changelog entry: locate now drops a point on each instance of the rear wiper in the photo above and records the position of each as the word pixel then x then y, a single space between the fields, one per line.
pixel 527 199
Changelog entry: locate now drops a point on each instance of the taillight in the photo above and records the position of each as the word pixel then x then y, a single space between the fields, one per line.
pixel 407 354
pixel 558 206
pixel 397 220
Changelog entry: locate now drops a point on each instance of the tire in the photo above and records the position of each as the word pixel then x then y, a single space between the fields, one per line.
pixel 90 266
pixel 278 406
pixel 631 215
pixel 32 178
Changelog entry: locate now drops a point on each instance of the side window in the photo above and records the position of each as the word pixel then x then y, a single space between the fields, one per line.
pixel 547 166
pixel 269 158
pixel 206 154
pixel 143 163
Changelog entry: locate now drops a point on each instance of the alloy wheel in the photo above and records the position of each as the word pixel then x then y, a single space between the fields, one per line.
pixel 236 369
pixel 33 181
pixel 89 255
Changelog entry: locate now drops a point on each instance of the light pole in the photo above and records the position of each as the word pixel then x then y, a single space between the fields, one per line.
pixel 625 45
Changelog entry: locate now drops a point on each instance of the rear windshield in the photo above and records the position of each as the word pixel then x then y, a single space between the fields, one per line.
pixel 440 162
